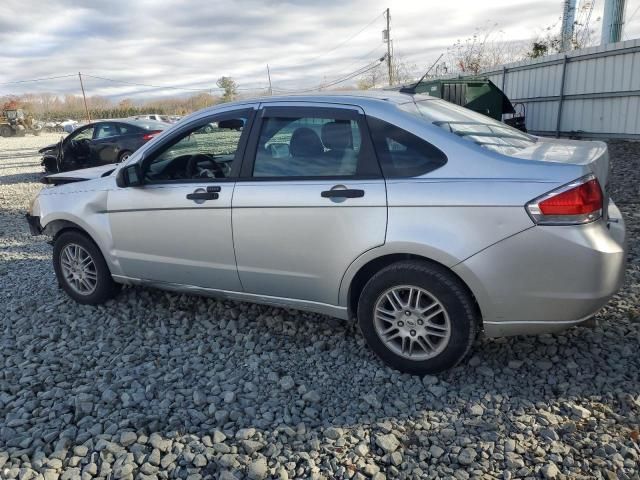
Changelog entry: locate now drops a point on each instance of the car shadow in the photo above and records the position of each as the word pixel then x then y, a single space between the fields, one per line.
pixel 16 178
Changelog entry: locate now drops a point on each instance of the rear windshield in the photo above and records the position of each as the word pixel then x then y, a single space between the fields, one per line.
pixel 470 125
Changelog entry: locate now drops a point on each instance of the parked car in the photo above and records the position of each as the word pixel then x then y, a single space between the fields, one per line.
pixel 156 117
pixel 99 143
pixel 424 220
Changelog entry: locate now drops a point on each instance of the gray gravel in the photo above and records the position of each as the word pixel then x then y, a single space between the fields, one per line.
pixel 156 385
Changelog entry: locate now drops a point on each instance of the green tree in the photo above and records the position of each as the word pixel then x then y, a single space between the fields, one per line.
pixel 229 86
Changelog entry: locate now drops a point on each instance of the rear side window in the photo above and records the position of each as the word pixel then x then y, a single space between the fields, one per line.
pixel 106 130
pixel 127 129
pixel 311 146
pixel 403 154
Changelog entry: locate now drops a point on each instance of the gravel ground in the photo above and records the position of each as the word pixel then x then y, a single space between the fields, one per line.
pixel 159 385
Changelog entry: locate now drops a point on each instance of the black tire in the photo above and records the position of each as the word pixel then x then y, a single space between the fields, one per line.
pixel 105 287
pixel 447 289
pixel 124 155
pixel 6 131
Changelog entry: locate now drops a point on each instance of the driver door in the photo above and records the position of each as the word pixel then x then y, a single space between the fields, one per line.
pixel 176 227
pixel 76 148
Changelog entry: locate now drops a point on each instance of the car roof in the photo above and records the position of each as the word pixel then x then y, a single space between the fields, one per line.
pixel 142 123
pixel 357 97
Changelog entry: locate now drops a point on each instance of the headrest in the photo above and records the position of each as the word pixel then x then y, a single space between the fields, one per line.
pixel 305 143
pixel 337 135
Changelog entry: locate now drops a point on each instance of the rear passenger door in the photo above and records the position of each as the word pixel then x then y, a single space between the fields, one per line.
pixel 104 146
pixel 309 201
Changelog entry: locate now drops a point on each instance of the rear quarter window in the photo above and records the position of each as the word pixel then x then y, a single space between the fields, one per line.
pixel 403 154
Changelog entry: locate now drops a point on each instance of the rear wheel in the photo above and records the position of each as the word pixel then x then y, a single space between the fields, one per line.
pixel 81 269
pixel 124 155
pixel 6 131
pixel 417 317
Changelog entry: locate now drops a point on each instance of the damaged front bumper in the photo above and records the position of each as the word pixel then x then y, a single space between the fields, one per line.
pixel 34 224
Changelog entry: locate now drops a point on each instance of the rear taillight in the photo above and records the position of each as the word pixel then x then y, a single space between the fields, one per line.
pixel 148 136
pixel 575 203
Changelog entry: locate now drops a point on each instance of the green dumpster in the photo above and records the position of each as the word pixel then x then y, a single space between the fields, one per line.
pixel 477 94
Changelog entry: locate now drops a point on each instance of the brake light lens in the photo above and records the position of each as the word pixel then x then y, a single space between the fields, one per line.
pixel 573 204
pixel 148 136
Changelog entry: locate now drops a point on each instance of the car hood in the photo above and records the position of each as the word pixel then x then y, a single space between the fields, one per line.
pixel 48 148
pixel 79 175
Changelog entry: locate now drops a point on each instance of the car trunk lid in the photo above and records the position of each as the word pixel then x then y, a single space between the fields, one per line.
pixel 594 156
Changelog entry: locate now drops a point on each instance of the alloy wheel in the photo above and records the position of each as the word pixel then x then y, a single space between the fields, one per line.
pixel 412 322
pixel 79 269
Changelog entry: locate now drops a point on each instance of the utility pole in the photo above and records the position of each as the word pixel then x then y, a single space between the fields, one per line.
pixel 84 97
pixel 387 38
pixel 613 21
pixel 269 77
pixel 568 19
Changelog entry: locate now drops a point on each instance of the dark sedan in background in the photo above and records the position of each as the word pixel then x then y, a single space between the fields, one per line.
pixel 99 143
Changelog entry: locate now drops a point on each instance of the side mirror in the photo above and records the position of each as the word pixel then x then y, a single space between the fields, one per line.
pixel 129 176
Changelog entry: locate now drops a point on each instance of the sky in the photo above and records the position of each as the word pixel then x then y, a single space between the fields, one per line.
pixel 191 43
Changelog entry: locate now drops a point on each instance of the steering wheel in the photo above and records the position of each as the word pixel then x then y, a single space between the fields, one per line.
pixel 77 144
pixel 218 172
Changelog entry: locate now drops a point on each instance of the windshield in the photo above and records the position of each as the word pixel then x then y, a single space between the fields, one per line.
pixel 470 125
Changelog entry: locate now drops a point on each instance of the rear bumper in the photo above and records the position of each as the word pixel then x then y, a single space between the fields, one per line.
pixel 547 279
pixel 34 224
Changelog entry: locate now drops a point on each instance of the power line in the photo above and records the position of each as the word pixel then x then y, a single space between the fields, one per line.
pixel 38 79
pixel 631 18
pixel 169 87
pixel 359 71
pixel 368 54
pixel 585 33
pixel 336 47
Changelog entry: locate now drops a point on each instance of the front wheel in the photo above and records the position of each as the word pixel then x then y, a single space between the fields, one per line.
pixel 417 317
pixel 81 269
pixel 50 165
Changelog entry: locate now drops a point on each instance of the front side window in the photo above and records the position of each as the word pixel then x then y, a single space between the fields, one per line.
pixel 84 134
pixel 205 152
pixel 403 154
pixel 310 146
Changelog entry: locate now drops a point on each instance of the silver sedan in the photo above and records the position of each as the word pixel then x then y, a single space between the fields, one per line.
pixel 427 222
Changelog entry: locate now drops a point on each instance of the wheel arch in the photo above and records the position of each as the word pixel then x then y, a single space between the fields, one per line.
pixel 57 227
pixel 365 270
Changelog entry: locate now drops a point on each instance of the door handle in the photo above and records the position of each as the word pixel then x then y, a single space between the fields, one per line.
pixel 202 196
pixel 343 193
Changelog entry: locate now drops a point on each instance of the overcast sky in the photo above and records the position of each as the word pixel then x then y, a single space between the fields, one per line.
pixel 190 43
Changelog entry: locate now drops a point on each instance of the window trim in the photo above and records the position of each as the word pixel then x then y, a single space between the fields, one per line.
pixel 381 161
pixel 152 154
pixel 330 111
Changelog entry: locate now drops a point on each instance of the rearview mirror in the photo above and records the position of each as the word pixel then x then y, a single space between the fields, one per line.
pixel 129 176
